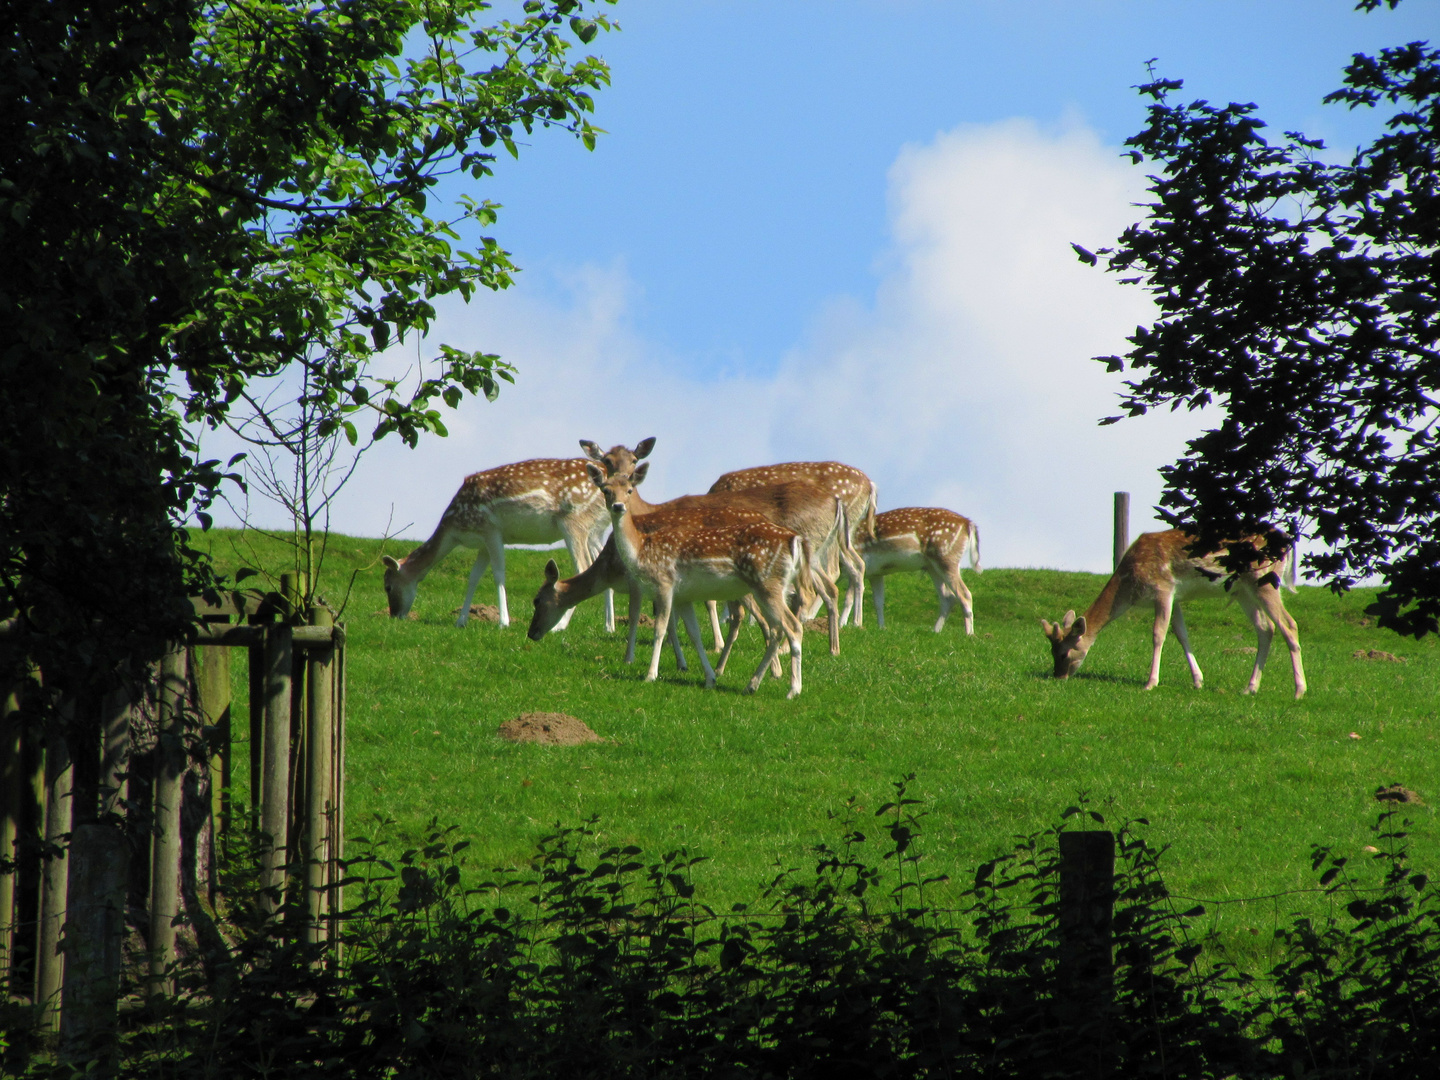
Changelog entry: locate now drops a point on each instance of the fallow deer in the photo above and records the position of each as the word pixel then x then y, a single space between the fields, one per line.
pixel 685 563
pixel 1161 567
pixel 530 502
pixel 854 489
pixel 802 507
pixel 929 539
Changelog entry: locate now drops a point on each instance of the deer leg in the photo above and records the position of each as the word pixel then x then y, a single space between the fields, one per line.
pixel 1270 598
pixel 831 595
pixel 482 560
pixel 497 567
pixel 662 623
pixel 784 626
pixel 1163 604
pixel 692 626
pixel 637 602
pixel 736 622
pixel 672 635
pixel 1184 638
pixel 951 588
pixel 877 591
pixel 714 610
pixel 767 629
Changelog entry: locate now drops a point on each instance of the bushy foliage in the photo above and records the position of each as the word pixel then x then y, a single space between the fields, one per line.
pixel 596 963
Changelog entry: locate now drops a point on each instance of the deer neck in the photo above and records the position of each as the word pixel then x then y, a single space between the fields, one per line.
pixel 1110 604
pixel 423 559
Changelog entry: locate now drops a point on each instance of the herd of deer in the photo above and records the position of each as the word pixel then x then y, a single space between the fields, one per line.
pixel 774 541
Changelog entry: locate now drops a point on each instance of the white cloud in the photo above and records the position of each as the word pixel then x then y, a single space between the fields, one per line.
pixel 965 382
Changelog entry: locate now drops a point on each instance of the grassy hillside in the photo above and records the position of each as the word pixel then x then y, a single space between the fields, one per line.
pixel 1241 787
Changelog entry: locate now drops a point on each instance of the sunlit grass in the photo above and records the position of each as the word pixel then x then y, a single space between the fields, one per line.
pixel 1240 787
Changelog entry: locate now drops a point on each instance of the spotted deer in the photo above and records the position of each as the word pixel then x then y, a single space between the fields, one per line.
pixel 1160 566
pixel 530 502
pixel 854 489
pixel 928 539
pixel 681 564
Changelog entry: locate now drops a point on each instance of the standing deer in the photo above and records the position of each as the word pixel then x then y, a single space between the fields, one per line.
pixel 1160 566
pixel 530 502
pixel 692 561
pixel 928 539
pixel 854 489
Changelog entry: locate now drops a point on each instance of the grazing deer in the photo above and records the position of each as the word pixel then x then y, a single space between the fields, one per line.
pixel 854 489
pixel 683 563
pixel 1160 566
pixel 923 538
pixel 530 502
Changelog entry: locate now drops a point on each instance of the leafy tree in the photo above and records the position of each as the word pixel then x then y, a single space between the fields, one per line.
pixel 197 196
pixel 1301 298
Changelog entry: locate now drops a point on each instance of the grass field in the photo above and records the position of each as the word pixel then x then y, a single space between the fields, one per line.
pixel 1240 787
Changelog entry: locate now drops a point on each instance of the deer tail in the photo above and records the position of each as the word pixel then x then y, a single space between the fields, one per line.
pixel 974 546
pixel 1289 571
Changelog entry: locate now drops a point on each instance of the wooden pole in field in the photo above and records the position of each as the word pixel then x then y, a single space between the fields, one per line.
pixel 337 780
pixel 213 680
pixel 1122 526
pixel 275 759
pixel 165 849
pixel 12 804
pixel 319 801
pixel 1086 966
pixel 49 963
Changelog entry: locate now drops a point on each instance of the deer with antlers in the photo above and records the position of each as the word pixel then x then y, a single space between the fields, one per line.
pixel 853 488
pixel 690 561
pixel 530 502
pixel 929 539
pixel 1161 567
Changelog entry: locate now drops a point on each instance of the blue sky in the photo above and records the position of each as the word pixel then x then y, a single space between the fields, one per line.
pixel 840 230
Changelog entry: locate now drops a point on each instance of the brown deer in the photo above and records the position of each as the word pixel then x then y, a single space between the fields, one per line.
pixel 851 486
pixel 1161 567
pixel 530 502
pixel 929 539
pixel 692 561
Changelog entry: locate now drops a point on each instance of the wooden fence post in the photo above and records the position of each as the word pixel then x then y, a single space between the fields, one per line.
pixel 1122 526
pixel 319 800
pixel 165 849
pixel 213 681
pixel 49 963
pixel 1086 968
pixel 275 758
pixel 95 915
pixel 12 803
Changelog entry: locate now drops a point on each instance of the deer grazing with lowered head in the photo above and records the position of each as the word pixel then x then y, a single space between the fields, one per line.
pixel 929 539
pixel 1161 567
pixel 689 561
pixel 853 488
pixel 530 502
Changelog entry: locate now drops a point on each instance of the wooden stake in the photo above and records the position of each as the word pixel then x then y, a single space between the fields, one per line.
pixel 1122 526
pixel 275 759
pixel 165 849
pixel 12 805
pixel 319 797
pixel 49 963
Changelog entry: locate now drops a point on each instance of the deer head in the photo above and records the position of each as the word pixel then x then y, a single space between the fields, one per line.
pixel 400 590
pixel 548 609
pixel 618 487
pixel 1065 643
pixel 618 459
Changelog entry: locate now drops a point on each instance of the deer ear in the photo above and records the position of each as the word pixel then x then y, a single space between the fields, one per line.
pixel 390 564
pixel 1066 622
pixel 595 474
pixel 1047 628
pixel 1079 628
pixel 641 471
pixel 552 572
pixel 592 450
pixel 643 448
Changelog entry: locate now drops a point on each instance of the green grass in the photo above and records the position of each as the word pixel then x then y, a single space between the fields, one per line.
pixel 1240 787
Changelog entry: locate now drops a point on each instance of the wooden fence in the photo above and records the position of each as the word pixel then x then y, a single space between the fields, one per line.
pixel 165 774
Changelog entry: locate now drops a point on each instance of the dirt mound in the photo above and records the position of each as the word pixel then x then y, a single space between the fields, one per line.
pixel 1398 793
pixel 1376 654
pixel 386 613
pixel 484 612
pixel 549 728
pixel 818 626
pixel 645 620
